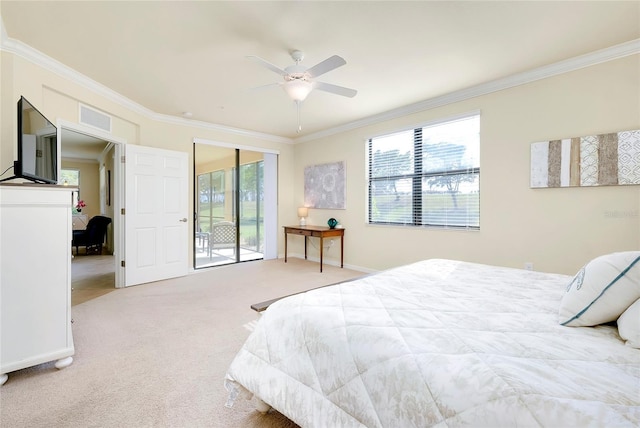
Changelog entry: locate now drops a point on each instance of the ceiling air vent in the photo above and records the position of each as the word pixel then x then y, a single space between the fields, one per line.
pixel 95 118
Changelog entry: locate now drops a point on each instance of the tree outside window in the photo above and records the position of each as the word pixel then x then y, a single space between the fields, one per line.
pixel 71 177
pixel 427 176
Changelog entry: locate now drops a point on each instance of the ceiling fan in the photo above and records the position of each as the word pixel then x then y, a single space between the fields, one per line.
pixel 299 81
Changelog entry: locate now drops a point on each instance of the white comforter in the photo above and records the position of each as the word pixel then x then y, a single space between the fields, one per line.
pixel 439 343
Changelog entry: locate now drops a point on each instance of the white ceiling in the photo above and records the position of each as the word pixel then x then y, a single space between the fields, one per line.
pixel 173 57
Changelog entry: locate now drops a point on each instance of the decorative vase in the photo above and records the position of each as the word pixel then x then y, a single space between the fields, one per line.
pixel 79 210
pixel 332 223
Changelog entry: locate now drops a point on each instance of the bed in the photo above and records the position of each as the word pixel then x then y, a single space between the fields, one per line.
pixel 448 343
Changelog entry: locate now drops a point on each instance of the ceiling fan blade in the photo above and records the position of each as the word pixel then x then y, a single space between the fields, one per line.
pixel 334 89
pixel 268 85
pixel 268 65
pixel 326 66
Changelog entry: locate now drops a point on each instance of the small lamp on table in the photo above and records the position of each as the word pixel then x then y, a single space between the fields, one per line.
pixel 303 213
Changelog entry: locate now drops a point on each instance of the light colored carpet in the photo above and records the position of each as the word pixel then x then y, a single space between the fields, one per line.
pixel 155 355
pixel 91 276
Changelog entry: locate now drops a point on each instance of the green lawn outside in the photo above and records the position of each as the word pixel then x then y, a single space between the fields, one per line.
pixel 211 214
pixel 437 207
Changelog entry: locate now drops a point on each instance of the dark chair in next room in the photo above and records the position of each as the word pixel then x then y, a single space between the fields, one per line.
pixel 93 236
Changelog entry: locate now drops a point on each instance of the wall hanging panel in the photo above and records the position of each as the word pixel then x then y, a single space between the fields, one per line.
pixel 593 160
pixel 325 186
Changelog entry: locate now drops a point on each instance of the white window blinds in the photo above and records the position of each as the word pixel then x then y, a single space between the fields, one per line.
pixel 428 176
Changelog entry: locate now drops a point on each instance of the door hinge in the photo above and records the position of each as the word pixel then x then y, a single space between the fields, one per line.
pixel 122 211
pixel 122 263
pixel 122 159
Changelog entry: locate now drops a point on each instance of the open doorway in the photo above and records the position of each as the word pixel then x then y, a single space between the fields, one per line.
pixel 87 161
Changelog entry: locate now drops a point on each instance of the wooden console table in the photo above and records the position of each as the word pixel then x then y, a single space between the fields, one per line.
pixel 319 232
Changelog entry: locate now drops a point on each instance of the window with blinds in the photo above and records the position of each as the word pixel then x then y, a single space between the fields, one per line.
pixel 428 176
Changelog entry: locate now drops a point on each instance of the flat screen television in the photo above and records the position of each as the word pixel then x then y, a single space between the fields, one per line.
pixel 37 146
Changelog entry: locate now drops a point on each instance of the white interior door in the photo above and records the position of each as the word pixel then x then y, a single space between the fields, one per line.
pixel 156 225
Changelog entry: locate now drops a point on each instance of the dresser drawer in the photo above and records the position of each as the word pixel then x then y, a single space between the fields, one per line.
pixel 300 232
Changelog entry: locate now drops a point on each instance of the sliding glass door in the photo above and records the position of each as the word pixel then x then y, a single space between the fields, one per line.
pixel 229 217
pixel 251 202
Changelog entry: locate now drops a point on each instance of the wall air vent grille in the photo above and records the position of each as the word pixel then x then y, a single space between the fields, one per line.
pixel 95 118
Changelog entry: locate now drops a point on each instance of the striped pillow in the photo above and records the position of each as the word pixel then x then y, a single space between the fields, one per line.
pixel 602 290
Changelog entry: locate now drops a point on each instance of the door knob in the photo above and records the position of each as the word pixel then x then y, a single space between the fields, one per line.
pixel 184 220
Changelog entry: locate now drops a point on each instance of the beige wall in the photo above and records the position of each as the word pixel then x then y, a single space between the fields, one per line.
pixel 556 229
pixel 89 184
pixel 58 99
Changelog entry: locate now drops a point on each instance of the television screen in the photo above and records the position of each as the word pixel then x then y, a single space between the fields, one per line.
pixel 37 145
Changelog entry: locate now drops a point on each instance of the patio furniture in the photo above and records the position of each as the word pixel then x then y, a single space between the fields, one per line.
pixel 222 235
pixel 202 241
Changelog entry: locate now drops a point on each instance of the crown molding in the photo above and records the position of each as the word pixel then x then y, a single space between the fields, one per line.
pixel 622 50
pixel 25 51
pixel 234 146
pixel 214 127
pixel 79 160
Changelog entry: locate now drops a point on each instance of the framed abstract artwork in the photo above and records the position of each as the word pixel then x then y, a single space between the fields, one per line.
pixel 593 160
pixel 325 186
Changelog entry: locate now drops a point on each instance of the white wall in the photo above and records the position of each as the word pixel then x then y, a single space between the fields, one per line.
pixel 556 229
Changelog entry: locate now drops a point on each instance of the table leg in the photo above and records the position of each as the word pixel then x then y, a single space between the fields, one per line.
pixel 321 251
pixel 285 246
pixel 342 251
pixel 305 247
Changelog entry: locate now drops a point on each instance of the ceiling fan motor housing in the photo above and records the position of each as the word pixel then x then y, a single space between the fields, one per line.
pixel 296 72
pixel 297 55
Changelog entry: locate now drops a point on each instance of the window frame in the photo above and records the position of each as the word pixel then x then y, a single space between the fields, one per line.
pixel 417 176
pixel 75 195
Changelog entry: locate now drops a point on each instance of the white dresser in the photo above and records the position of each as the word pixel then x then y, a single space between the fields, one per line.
pixel 35 276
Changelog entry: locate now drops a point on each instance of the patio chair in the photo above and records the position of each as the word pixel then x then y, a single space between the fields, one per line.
pixel 223 235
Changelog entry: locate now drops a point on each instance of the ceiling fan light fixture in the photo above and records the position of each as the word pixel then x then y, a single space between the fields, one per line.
pixel 299 80
pixel 297 89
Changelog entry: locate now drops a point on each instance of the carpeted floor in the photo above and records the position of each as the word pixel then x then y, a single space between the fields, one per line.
pixel 155 355
pixel 91 276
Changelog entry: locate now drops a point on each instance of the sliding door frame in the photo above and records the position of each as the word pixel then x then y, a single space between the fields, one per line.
pixel 270 194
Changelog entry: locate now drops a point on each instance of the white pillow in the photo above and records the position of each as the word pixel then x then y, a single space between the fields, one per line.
pixel 602 290
pixel 629 325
